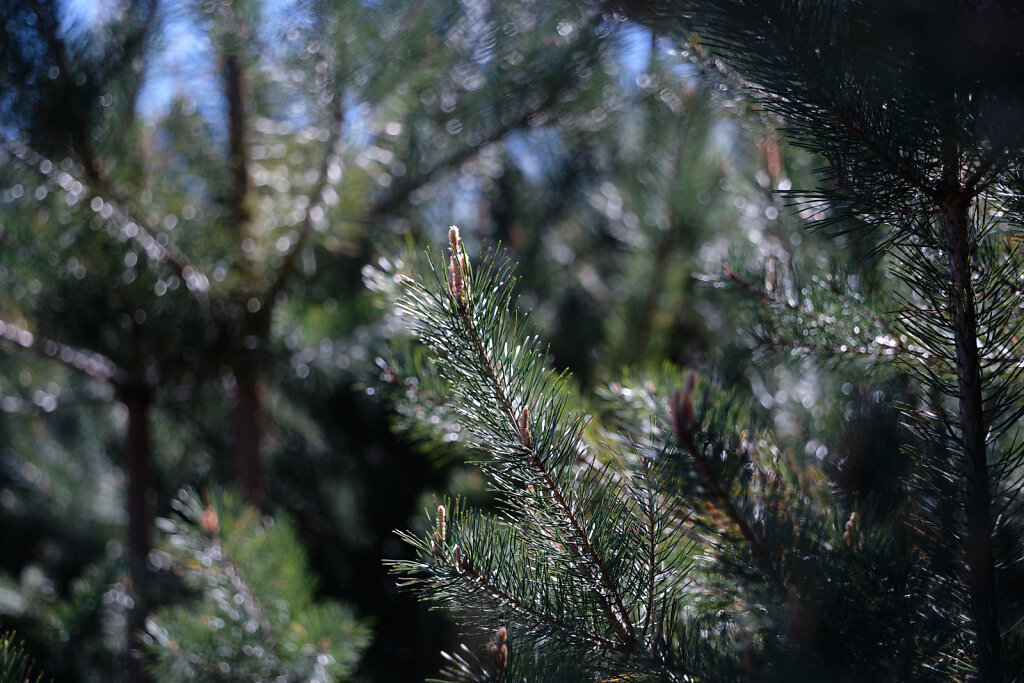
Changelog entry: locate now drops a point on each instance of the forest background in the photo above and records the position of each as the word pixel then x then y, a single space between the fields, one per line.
pixel 205 206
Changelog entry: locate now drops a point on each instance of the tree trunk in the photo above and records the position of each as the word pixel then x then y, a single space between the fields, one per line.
pixel 249 421
pixel 978 556
pixel 249 413
pixel 137 399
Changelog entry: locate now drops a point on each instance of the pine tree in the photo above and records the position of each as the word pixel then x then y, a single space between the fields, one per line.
pixel 254 617
pixel 693 547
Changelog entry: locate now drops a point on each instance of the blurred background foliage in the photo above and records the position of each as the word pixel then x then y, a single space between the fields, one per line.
pixel 203 206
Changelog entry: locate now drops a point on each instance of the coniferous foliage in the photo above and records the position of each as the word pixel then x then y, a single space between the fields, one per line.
pixel 921 131
pixel 669 538
pixel 14 663
pixel 816 578
pixel 183 225
pixel 607 553
pixel 254 616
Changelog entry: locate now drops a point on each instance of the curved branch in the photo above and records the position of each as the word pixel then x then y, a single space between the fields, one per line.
pixel 315 196
pixel 88 363
pixel 144 235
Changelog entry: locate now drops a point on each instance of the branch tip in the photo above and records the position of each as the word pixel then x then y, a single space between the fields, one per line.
pixel 457 266
pixel 681 408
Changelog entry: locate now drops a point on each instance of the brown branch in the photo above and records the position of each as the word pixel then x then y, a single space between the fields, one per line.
pixel 992 165
pixel 393 46
pixel 81 144
pixel 839 350
pixel 238 155
pixel 133 98
pixel 772 300
pixel 718 491
pixel 195 659
pixel 397 196
pixel 166 254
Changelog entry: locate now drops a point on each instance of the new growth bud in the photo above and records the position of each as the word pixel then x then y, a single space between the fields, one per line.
pixel 850 534
pixel 456 266
pixel 524 428
pixel 209 521
pixel 437 542
pixel 497 654
pixel 681 408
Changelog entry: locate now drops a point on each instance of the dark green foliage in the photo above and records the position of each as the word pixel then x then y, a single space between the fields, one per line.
pixel 915 109
pixel 196 252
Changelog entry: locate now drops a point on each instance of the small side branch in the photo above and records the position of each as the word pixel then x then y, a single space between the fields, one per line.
pixel 316 201
pixel 90 364
pixel 156 244
pixel 464 568
pixel 684 419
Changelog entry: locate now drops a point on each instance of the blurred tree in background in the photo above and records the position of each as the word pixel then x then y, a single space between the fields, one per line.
pixel 256 618
pixel 193 195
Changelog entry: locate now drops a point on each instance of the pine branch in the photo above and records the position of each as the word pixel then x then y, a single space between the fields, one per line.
pixel 407 186
pixel 316 203
pixel 88 363
pixel 81 145
pixel 140 38
pixel 156 244
pixel 979 552
pixel 886 344
pixel 15 666
pixel 593 564
pixel 581 549
pixel 257 618
pixel 684 422
pixel 459 566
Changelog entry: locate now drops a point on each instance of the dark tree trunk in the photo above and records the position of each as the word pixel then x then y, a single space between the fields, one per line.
pixel 978 554
pixel 249 413
pixel 137 398
pixel 249 421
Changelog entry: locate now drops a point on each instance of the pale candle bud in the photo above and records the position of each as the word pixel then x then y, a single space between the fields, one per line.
pixel 456 264
pixel 524 428
pixel 441 526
